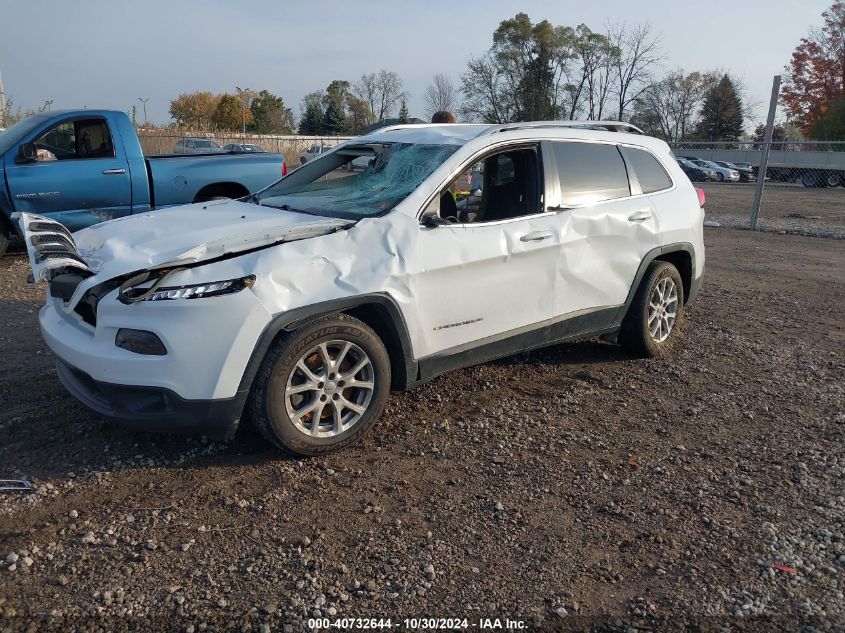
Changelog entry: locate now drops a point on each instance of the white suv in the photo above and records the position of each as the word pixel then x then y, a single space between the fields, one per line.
pixel 305 303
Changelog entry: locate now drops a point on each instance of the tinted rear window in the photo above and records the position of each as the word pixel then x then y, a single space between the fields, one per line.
pixel 649 171
pixel 590 172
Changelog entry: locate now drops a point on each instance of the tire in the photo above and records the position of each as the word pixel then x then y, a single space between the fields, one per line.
pixel 811 181
pixel 322 394
pixel 720 177
pixel 635 334
pixel 4 243
pixel 833 179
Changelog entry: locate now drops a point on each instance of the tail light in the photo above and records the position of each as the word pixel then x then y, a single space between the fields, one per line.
pixel 284 169
pixel 702 199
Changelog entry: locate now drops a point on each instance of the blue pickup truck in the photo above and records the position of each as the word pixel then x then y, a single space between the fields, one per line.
pixel 81 167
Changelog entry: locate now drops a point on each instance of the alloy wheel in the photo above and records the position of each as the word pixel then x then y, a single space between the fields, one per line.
pixel 329 389
pixel 662 309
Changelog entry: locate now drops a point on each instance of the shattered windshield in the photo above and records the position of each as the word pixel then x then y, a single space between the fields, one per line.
pixel 357 180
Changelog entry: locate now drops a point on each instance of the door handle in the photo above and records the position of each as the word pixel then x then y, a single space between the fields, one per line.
pixel 112 172
pixel 536 236
pixel 639 216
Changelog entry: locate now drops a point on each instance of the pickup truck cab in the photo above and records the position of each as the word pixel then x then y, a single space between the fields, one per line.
pixel 82 167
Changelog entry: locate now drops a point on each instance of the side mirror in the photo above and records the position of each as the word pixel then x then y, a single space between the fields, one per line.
pixel 432 220
pixel 28 153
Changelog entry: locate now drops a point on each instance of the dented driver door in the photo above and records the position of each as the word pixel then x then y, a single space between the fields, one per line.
pixel 485 281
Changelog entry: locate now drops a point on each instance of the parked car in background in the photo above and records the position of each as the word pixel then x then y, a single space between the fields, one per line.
pixel 723 174
pixel 309 301
pixel 746 174
pixel 315 151
pixel 196 145
pixel 240 148
pixel 694 172
pixel 81 167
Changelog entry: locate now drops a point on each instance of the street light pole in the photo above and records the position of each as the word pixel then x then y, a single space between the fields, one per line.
pixel 48 103
pixel 242 93
pixel 144 101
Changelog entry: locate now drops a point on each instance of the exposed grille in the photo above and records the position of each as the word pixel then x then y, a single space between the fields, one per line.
pixel 55 238
pixel 51 240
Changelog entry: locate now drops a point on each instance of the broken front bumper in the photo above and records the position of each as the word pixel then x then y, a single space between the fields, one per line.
pixel 154 408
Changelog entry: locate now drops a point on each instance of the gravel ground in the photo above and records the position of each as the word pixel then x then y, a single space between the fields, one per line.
pixel 786 208
pixel 569 488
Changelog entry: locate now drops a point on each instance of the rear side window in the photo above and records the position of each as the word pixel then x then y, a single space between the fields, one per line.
pixel 590 172
pixel 650 172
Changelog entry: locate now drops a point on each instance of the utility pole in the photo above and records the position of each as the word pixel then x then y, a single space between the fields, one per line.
pixel 144 101
pixel 2 100
pixel 764 153
pixel 48 103
pixel 242 92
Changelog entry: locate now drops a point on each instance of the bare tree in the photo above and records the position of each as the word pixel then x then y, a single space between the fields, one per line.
pixel 639 54
pixel 366 89
pixel 484 100
pixel 669 107
pixel 440 95
pixel 382 90
pixel 589 79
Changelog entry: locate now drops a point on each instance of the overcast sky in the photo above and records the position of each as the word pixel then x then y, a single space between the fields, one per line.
pixel 106 54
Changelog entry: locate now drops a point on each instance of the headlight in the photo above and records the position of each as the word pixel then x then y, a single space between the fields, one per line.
pixel 195 291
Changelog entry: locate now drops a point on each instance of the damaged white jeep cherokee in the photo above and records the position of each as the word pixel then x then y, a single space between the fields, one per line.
pixel 307 302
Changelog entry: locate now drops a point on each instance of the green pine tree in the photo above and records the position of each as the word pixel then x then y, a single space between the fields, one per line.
pixel 831 126
pixel 404 117
pixel 311 122
pixel 721 114
pixel 333 118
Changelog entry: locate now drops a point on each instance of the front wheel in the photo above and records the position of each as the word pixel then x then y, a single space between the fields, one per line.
pixel 656 312
pixel 321 386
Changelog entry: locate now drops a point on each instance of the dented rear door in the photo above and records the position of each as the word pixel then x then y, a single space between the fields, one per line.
pixel 606 228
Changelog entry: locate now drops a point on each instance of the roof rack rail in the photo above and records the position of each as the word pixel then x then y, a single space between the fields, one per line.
pixel 610 126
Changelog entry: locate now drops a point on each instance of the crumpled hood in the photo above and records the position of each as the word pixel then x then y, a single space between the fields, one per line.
pixel 177 236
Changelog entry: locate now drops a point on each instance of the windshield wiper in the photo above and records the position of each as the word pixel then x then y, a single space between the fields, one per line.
pixel 287 207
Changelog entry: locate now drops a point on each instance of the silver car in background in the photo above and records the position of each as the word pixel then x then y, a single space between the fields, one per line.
pixel 723 174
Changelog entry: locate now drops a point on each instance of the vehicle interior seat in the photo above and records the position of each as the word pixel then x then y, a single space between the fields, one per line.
pixel 504 195
pixel 448 206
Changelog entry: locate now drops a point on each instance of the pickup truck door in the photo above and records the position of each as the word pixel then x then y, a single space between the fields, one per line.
pixel 81 175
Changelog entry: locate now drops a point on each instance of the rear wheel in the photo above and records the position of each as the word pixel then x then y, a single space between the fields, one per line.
pixel 4 243
pixel 811 180
pixel 656 312
pixel 833 180
pixel 321 386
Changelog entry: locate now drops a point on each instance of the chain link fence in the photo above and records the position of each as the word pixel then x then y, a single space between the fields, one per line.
pixel 803 189
pixel 159 142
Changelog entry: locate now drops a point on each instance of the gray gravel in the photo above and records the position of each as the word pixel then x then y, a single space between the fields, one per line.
pixel 570 488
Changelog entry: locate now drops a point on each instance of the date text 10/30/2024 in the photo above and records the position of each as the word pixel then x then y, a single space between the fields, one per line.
pixel 421 624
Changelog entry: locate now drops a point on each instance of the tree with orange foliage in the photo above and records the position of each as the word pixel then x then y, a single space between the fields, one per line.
pixel 815 76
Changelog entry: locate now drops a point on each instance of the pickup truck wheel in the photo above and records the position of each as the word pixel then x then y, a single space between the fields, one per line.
pixel 4 243
pixel 656 313
pixel 321 386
